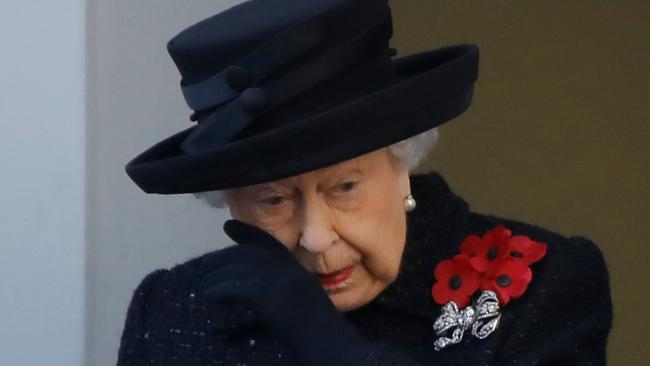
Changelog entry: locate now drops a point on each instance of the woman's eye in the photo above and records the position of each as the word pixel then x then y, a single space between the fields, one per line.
pixel 273 201
pixel 348 186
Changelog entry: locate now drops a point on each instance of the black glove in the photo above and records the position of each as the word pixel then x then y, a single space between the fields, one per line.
pixel 289 300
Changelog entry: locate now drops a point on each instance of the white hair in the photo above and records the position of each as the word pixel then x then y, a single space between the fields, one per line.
pixel 408 154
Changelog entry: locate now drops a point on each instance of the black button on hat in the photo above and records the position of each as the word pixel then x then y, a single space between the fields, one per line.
pixel 237 78
pixel 253 99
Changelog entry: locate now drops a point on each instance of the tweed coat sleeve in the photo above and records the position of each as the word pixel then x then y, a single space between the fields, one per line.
pixel 133 347
pixel 161 327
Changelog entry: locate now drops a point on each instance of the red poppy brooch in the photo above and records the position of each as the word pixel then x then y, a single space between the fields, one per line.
pixel 499 265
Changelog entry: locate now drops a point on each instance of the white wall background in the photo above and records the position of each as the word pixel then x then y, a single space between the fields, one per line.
pixel 134 100
pixel 86 85
pixel 42 182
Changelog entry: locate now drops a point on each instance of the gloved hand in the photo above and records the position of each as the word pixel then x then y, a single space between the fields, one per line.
pixel 289 300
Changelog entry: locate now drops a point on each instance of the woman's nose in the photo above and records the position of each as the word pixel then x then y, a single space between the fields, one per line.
pixel 317 230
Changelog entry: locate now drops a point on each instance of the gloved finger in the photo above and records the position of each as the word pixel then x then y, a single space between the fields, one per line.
pixel 246 234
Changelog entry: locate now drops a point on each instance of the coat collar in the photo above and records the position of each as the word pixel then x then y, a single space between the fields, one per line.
pixel 434 231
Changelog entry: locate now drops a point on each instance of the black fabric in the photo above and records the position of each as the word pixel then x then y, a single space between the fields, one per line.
pixel 231 36
pixel 225 123
pixel 441 91
pixel 278 51
pixel 563 318
pixel 298 116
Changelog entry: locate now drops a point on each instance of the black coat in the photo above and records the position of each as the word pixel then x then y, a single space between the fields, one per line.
pixel 563 318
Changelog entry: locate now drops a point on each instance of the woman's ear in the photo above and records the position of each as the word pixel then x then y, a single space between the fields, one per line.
pixel 404 182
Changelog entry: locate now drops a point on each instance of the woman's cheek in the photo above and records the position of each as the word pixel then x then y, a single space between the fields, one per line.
pixel 270 216
pixel 385 240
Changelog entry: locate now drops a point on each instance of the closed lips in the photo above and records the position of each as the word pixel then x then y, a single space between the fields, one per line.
pixel 335 277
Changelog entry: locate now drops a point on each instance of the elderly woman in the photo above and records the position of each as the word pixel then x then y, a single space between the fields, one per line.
pixel 307 130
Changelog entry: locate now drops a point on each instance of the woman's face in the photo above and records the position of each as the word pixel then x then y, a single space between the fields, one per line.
pixel 349 216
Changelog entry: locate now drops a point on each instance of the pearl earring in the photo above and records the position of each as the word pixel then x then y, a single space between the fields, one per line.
pixel 409 203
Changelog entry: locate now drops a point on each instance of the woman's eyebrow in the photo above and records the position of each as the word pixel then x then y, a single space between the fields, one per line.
pixel 354 170
pixel 344 167
pixel 264 188
pixel 281 186
pixel 337 177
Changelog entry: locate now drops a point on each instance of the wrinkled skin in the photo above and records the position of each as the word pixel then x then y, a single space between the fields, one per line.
pixel 348 214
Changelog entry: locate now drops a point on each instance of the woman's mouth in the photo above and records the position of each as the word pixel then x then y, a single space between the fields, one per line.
pixel 334 280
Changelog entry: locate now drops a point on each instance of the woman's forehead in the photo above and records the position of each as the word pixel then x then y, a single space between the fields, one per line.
pixel 358 165
pixel 349 166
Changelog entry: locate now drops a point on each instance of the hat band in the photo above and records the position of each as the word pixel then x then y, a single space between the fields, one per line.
pixel 258 65
pixel 228 120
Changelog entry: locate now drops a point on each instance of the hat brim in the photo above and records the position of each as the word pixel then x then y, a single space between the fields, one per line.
pixel 432 87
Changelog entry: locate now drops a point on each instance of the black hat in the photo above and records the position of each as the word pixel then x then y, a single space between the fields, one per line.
pixel 283 87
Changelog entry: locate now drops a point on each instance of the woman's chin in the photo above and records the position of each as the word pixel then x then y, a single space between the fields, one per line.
pixel 345 303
